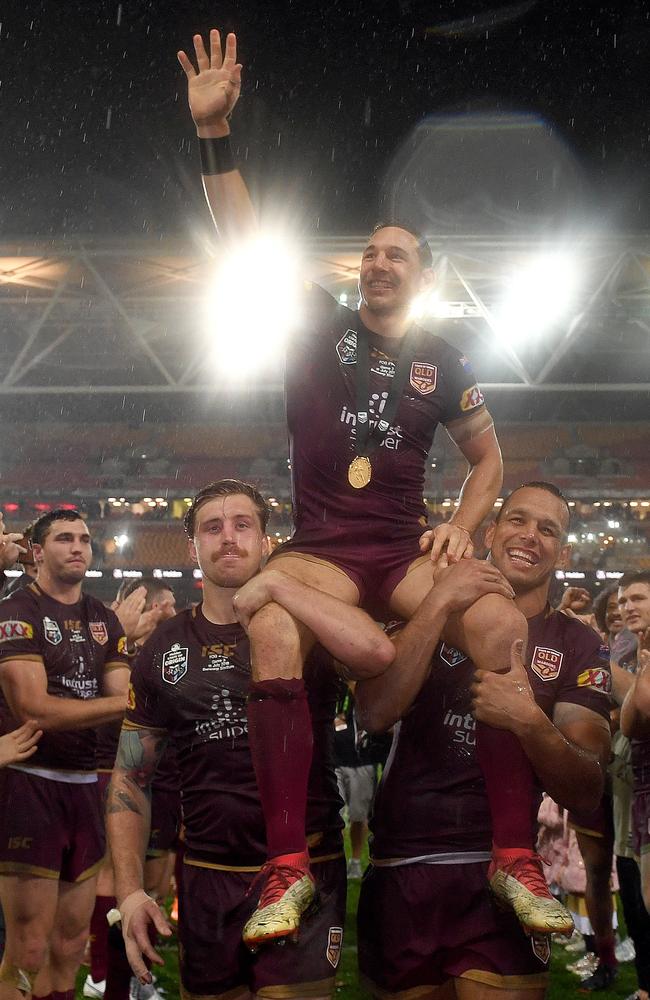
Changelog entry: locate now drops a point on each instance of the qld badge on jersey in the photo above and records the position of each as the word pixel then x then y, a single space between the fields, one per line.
pixel 452 657
pixel 52 632
pixel 424 378
pixel 334 944
pixel 541 945
pixel 99 632
pixel 347 348
pixel 547 663
pixel 174 663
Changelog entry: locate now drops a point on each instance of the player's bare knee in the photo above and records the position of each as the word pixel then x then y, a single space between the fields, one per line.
pixel 20 978
pixel 68 945
pixel 491 625
pixel 27 951
pixel 276 649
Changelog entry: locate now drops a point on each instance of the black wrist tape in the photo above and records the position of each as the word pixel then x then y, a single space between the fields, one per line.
pixel 216 156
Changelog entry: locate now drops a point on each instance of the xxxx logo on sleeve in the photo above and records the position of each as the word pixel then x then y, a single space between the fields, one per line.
pixel 15 630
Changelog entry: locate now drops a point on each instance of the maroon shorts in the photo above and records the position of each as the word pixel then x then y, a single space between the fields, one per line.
pixel 376 561
pixel 420 925
pixel 641 823
pixel 53 829
pixel 165 822
pixel 599 823
pixel 213 908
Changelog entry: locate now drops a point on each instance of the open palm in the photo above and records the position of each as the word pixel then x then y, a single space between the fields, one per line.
pixel 213 88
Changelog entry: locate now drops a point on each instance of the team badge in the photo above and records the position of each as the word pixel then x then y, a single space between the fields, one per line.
pixel 334 945
pixel 51 631
pixel 174 663
pixel 452 657
pixel 471 398
pixel 16 630
pixel 424 378
pixel 99 632
pixel 596 678
pixel 130 698
pixel 541 945
pixel 347 348
pixel 547 663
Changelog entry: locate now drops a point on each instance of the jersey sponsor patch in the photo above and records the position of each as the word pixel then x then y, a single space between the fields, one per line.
pixel 174 663
pixel 596 678
pixel 451 656
pixel 347 348
pixel 52 632
pixel 13 629
pixel 99 632
pixel 547 663
pixel 541 945
pixel 471 398
pixel 334 945
pixel 424 378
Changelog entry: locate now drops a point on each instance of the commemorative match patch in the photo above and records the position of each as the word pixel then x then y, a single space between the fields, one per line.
pixel 541 945
pixel 424 378
pixel 471 398
pixel 452 657
pixel 547 663
pixel 347 348
pixel 334 945
pixel 10 630
pixel 174 663
pixel 596 678
pixel 99 632
pixel 52 632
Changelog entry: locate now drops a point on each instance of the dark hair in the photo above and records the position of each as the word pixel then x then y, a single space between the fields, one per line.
pixel 41 526
pixel 600 606
pixel 643 576
pixel 226 488
pixel 424 250
pixel 154 586
pixel 538 485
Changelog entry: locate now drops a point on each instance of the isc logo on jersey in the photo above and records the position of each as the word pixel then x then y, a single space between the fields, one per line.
pixel 547 663
pixel 15 630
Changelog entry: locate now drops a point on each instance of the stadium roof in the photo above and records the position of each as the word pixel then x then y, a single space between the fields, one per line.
pixel 129 317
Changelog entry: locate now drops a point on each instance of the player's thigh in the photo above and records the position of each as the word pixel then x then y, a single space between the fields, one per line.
pixel 29 907
pixel 596 853
pixel 467 989
pixel 106 878
pixel 413 588
pixel 319 574
pixel 75 907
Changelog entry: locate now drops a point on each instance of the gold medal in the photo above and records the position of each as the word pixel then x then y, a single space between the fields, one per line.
pixel 359 472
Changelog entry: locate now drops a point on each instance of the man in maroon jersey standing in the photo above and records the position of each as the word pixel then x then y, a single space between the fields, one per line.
pixel 63 663
pixel 424 915
pixel 365 392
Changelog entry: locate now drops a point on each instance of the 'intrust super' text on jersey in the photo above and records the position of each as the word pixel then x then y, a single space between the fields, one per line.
pixel 432 798
pixel 321 412
pixel 75 643
pixel 191 680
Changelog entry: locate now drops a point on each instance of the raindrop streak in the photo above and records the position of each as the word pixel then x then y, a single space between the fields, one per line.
pixel 109 114
pixel 119 14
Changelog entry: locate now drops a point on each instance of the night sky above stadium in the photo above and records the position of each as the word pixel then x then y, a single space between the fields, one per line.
pixel 97 138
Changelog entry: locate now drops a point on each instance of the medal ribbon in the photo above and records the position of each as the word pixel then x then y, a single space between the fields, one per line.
pixel 368 439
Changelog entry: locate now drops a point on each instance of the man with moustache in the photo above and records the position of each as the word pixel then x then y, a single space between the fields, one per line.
pixel 63 663
pixel 427 925
pixel 190 683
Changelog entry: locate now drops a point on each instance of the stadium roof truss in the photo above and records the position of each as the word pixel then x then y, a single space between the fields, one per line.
pixel 130 317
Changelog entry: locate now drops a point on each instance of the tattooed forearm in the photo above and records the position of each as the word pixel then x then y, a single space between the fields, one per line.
pixel 121 801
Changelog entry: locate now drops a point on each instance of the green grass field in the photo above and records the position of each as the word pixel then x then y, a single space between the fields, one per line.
pixel 563 984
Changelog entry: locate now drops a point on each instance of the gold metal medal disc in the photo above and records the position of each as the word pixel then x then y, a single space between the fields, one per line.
pixel 360 472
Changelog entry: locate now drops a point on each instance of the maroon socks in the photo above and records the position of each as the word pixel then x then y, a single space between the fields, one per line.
pixel 281 741
pixel 510 783
pixel 99 937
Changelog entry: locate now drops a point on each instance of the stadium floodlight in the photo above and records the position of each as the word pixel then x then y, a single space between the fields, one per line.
pixel 121 541
pixel 252 305
pixel 537 298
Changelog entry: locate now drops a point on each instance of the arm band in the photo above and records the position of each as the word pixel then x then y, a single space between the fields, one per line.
pixel 216 156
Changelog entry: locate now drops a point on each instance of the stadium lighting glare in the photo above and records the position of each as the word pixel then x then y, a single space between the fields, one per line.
pixel 537 297
pixel 252 305
pixel 121 540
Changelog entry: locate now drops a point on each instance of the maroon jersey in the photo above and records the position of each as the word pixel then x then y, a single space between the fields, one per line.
pixel 321 414
pixel 75 643
pixel 432 798
pixel 191 679
pixel 108 737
